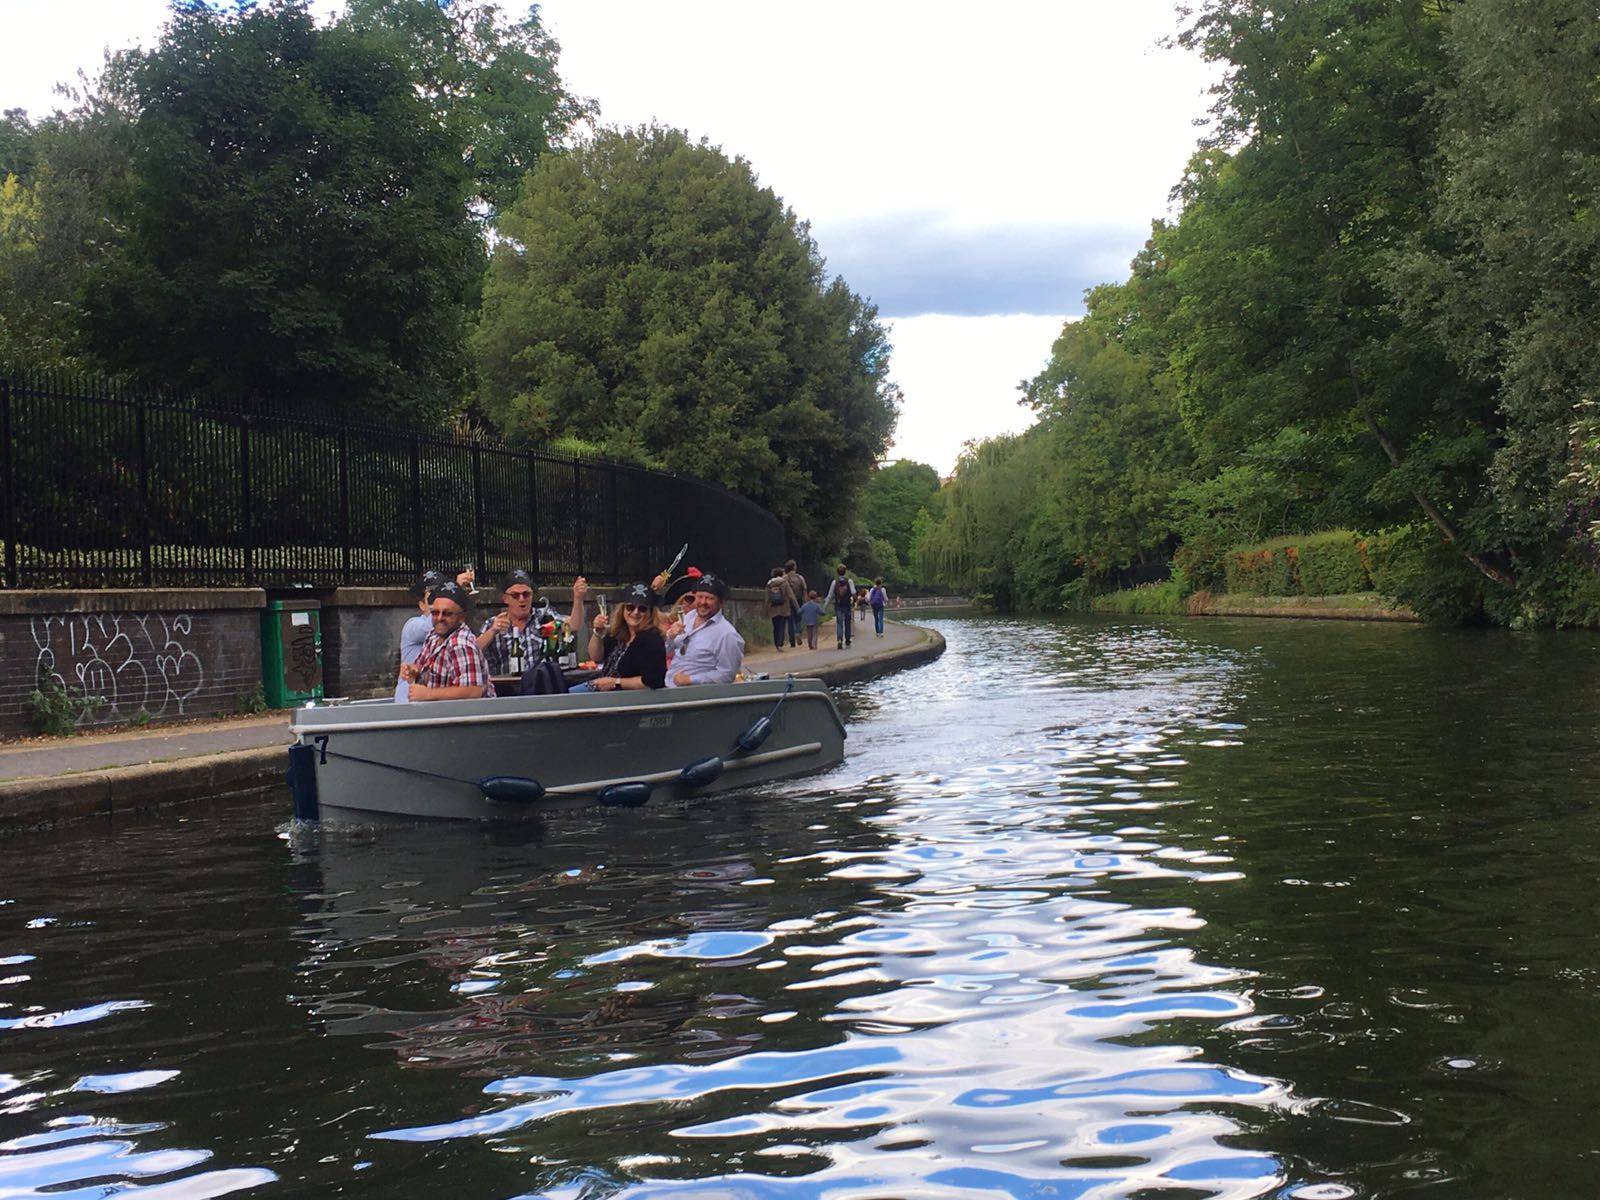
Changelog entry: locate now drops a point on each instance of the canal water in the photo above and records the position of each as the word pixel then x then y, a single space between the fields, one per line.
pixel 1095 908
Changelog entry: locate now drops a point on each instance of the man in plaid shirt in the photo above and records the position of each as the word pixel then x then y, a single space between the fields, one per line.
pixel 450 667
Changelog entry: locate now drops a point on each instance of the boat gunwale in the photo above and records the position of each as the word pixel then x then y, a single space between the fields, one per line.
pixel 767 695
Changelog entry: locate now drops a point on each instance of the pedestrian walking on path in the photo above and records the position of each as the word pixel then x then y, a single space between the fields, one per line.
pixel 797 586
pixel 842 595
pixel 781 605
pixel 877 598
pixel 811 618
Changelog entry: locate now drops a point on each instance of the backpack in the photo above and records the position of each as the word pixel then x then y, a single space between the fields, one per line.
pixel 775 596
pixel 544 678
pixel 841 591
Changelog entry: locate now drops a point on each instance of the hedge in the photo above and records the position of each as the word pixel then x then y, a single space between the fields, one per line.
pixel 1270 569
pixel 1318 564
pixel 1331 564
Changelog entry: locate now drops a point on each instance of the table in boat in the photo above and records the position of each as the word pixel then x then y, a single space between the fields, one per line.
pixel 510 685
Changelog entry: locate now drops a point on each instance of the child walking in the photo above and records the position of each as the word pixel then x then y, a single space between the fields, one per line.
pixel 811 617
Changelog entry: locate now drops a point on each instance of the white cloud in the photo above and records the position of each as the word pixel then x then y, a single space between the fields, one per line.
pixel 960 377
pixel 1018 112
pixel 952 159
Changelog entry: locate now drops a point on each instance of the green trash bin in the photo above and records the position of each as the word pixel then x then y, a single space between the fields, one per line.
pixel 291 652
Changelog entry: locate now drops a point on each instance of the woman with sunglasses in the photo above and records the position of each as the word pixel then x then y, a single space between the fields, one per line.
pixel 633 651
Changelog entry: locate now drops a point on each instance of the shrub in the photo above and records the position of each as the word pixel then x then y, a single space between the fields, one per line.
pixel 1270 569
pixel 1331 564
pixel 57 709
pixel 1564 592
pixel 1203 558
pixel 1414 566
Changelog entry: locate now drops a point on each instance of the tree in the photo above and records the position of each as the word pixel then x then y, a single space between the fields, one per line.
pixel 298 224
pixel 651 297
pixel 1507 274
pixel 1117 447
pixel 1319 170
pixel 489 78
pixel 58 181
pixel 894 495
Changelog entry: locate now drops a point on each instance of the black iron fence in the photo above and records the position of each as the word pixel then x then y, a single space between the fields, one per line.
pixel 105 486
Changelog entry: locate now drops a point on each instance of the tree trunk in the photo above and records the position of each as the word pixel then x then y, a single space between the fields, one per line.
pixel 1491 571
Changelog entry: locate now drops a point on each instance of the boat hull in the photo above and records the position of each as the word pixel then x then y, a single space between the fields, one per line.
pixel 382 761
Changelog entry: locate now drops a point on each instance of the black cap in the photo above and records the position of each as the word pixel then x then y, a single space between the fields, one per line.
pixel 712 584
pixel 516 578
pixel 455 593
pixel 427 584
pixel 636 593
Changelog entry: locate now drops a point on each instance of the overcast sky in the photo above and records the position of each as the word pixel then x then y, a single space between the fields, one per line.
pixel 971 170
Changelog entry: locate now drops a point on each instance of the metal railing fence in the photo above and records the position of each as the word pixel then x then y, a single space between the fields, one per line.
pixel 102 485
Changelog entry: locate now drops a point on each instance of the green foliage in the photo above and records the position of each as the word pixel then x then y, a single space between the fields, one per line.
pixel 1279 270
pixel 987 508
pixel 1411 565
pixel 1086 491
pixel 895 495
pixel 1563 592
pixel 1318 564
pixel 1270 569
pixel 55 708
pixel 57 181
pixel 1374 310
pixel 650 296
pixel 249 703
pixel 1505 274
pixel 1150 599
pixel 1331 564
pixel 490 79
pixel 298 224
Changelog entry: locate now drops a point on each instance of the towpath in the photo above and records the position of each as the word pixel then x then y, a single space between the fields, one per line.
pixel 43 782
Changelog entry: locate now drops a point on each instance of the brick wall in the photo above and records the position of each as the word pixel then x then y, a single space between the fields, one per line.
pixel 159 653
pixel 361 639
pixel 164 653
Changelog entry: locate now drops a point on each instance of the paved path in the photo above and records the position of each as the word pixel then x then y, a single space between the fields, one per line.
pixel 37 760
pixel 801 661
pixel 99 752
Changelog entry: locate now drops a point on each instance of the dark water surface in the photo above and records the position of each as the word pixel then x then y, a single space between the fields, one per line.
pixel 1209 908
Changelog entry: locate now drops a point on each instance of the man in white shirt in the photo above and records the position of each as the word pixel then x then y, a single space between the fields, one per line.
pixel 706 648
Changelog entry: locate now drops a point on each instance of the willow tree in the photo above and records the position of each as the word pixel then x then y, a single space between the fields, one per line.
pixel 649 296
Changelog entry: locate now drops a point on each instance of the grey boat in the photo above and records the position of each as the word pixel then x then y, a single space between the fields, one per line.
pixel 509 759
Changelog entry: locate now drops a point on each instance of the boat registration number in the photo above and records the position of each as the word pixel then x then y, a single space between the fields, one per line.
pixel 659 721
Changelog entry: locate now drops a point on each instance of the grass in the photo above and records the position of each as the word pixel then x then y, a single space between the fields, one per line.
pixel 1148 600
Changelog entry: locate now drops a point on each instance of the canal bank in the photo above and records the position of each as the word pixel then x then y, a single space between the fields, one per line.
pixel 1354 606
pixel 110 775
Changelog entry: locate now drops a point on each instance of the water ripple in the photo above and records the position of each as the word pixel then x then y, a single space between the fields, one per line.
pixel 1166 909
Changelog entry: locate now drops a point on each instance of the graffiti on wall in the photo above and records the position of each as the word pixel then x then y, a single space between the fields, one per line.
pixel 134 662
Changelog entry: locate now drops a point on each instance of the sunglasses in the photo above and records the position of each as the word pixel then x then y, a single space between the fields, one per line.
pixel 519 595
pixel 636 608
pixel 439 614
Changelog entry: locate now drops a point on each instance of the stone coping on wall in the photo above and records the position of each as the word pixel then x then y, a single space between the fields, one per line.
pixel 400 597
pixel 26 603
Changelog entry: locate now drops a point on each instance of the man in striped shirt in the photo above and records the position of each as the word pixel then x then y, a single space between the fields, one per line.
pixel 450 667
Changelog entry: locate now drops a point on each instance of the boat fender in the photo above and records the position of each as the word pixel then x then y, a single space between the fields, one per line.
pixel 303 782
pixel 701 772
pixel 752 738
pixel 511 789
pixel 624 795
